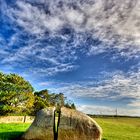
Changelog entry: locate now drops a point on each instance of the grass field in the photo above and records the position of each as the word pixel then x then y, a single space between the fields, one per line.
pixel 120 128
pixel 113 129
pixel 10 131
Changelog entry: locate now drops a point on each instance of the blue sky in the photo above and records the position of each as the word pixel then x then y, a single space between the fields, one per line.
pixel 87 49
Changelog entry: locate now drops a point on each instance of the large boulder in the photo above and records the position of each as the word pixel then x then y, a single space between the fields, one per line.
pixel 74 125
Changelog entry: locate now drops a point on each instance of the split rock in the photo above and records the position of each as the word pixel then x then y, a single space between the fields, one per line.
pixel 74 125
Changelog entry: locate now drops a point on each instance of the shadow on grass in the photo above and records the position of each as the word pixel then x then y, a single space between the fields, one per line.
pixel 15 135
pixel 10 135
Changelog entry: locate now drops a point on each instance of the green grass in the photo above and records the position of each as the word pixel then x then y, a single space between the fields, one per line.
pixel 120 128
pixel 113 129
pixel 10 131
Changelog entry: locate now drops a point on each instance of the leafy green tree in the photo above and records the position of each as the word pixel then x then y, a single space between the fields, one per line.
pixel 57 99
pixel 73 106
pixel 44 99
pixel 69 104
pixel 43 94
pixel 16 95
pixel 41 100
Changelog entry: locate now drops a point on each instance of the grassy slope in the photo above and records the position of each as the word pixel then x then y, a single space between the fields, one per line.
pixel 113 129
pixel 9 131
pixel 120 128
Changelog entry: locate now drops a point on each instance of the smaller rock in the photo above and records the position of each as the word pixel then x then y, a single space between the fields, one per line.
pixel 42 127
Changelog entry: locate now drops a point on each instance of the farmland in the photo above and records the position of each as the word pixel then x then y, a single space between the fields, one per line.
pixel 118 128
pixel 10 131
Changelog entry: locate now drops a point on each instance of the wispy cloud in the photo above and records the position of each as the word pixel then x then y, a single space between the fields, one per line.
pixel 112 22
pixel 92 27
pixel 106 110
pixel 115 87
pixel 52 71
pixel 47 38
pixel 135 103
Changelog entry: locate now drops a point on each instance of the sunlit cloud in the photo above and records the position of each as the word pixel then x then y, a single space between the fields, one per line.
pixel 108 25
pixel 106 110
pixel 115 87
pixel 48 38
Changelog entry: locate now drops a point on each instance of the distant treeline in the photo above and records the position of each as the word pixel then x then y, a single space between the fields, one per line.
pixel 17 97
pixel 111 116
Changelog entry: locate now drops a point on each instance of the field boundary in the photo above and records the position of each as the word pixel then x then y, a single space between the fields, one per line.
pixel 16 119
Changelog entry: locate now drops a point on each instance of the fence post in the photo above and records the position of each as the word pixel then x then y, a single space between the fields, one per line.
pixel 24 119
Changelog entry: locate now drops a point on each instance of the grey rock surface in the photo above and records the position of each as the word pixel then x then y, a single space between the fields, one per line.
pixel 42 126
pixel 74 125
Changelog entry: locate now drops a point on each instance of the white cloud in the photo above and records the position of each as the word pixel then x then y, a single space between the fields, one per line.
pixel 115 23
pixel 45 83
pixel 52 71
pixel 112 25
pixel 135 103
pixel 106 110
pixel 55 58
pixel 115 87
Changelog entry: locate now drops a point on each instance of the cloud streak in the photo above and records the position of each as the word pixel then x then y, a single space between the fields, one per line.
pixel 114 88
pixel 113 22
pixel 90 27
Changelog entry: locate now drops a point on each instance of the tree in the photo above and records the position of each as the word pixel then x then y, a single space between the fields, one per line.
pixel 43 94
pixel 44 99
pixel 16 95
pixel 73 106
pixel 41 100
pixel 70 104
pixel 57 99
